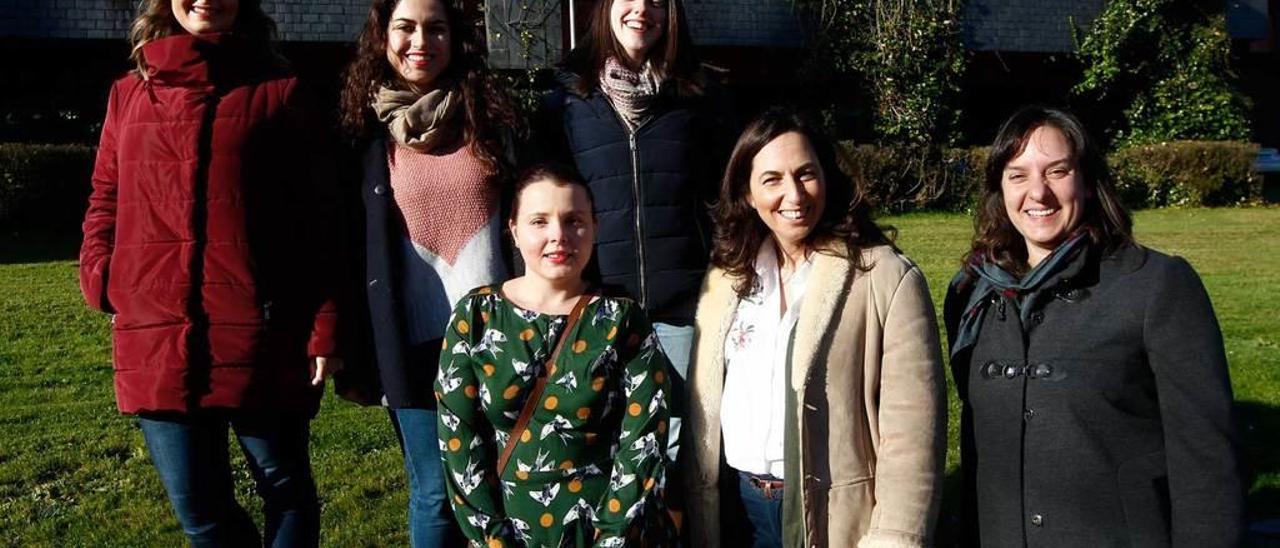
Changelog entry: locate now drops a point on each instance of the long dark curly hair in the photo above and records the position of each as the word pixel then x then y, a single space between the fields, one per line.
pixel 740 232
pixel 1106 220
pixel 155 20
pixel 488 110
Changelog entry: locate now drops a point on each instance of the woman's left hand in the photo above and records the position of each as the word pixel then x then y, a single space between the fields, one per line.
pixel 323 367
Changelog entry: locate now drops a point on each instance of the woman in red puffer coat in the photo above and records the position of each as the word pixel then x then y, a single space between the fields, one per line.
pixel 208 233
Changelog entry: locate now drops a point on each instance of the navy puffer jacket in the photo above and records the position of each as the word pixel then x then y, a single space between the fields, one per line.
pixel 651 190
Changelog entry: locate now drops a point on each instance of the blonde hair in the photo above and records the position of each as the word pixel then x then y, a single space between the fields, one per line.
pixel 155 20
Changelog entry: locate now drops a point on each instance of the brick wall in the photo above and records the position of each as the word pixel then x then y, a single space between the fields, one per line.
pixel 760 23
pixel 297 20
pixel 1025 25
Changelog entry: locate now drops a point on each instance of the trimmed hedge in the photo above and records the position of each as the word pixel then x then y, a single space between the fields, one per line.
pixel 44 186
pixel 47 186
pixel 1187 173
pixel 1183 174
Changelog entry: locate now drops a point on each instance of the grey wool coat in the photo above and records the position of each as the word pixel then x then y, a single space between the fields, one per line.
pixel 866 368
pixel 1106 420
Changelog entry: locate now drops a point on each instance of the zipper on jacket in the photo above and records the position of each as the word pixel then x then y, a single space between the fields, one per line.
pixel 635 187
pixel 642 298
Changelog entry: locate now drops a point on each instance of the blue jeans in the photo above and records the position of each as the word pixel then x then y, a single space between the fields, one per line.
pixel 764 513
pixel 431 522
pixel 190 451
pixel 677 343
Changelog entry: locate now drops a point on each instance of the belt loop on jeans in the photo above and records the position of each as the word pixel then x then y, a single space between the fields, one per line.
pixel 767 484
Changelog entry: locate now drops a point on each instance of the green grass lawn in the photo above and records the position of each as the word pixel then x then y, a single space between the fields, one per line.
pixel 73 472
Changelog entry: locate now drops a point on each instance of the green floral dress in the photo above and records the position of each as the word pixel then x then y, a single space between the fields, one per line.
pixel 585 469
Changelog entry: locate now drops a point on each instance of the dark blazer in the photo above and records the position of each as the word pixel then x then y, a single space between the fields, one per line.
pixel 382 362
pixel 1106 421
pixel 651 190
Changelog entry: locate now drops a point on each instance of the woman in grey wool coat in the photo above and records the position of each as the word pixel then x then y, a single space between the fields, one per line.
pixel 1097 406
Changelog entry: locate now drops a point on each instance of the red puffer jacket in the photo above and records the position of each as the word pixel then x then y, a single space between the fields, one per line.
pixel 211 233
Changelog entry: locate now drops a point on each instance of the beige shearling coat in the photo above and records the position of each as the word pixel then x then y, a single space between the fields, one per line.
pixel 867 370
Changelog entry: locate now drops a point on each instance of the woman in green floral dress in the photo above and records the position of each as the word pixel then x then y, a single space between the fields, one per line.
pixel 584 471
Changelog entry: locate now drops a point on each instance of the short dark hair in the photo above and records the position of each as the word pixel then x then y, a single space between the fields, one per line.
pixel 1106 220
pixel 739 232
pixel 557 173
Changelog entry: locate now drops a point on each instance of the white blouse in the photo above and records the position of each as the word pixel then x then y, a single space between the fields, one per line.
pixel 755 352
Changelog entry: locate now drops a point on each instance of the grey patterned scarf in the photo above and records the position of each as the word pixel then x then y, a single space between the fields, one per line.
pixel 633 94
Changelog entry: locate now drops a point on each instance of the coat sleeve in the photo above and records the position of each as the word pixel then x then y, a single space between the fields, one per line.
pixel 952 307
pixel 100 219
pixel 320 219
pixel 466 444
pixel 1184 347
pixel 638 462
pixel 912 421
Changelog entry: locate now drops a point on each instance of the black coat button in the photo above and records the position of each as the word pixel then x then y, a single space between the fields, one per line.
pixel 373 282
pixel 991 370
pixel 380 190
pixel 1041 370
pixel 1037 520
pixel 1010 371
pixel 1037 318
pixel 1028 415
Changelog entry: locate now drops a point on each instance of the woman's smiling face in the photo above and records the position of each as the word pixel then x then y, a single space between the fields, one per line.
pixel 206 16
pixel 1044 195
pixel 787 188
pixel 418 42
pixel 554 229
pixel 637 25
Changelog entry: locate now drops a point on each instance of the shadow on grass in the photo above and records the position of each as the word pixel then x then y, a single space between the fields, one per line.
pixel 1259 425
pixel 18 246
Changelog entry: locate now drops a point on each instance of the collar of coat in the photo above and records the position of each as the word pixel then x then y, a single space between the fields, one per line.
pixel 828 285
pixel 189 60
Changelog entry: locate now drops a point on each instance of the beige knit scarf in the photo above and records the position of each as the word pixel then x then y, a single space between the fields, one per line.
pixel 419 121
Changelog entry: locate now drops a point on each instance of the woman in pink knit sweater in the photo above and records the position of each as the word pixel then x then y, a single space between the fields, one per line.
pixel 434 127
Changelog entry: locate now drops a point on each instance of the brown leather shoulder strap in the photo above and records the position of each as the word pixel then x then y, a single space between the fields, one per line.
pixel 535 396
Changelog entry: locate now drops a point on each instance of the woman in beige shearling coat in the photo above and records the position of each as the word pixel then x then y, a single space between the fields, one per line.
pixel 818 374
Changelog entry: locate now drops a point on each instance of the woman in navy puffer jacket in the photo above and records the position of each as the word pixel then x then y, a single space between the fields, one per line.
pixel 644 126
pixel 208 233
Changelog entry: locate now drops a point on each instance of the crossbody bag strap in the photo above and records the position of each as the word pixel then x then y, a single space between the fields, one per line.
pixel 531 403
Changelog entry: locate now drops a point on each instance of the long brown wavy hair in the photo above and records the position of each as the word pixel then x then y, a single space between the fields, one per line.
pixel 740 232
pixel 1106 220
pixel 487 107
pixel 155 20
pixel 672 56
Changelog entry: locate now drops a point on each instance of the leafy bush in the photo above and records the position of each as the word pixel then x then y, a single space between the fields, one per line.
pixel 1159 70
pixel 44 186
pixel 906 178
pixel 1187 173
pixel 1182 173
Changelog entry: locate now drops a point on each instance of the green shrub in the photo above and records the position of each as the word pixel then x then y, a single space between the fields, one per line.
pixel 1180 173
pixel 1187 173
pixel 908 178
pixel 44 186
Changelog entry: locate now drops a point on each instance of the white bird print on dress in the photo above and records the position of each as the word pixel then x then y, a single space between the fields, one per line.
pixel 469 478
pixel 448 382
pixel 489 343
pixel 569 381
pixel 559 426
pixel 546 495
pixel 449 419
pixel 618 480
pixel 646 446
